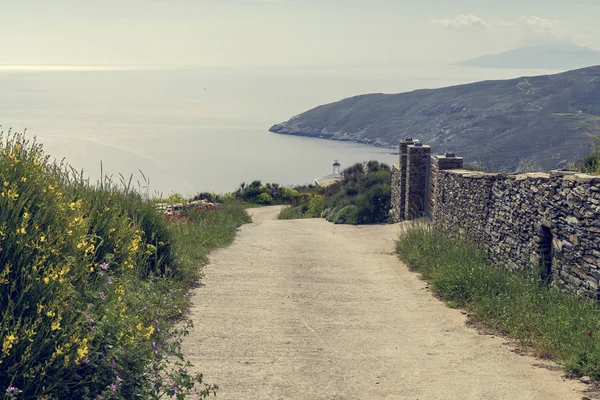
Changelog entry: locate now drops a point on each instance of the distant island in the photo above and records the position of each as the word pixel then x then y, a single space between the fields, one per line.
pixel 499 123
pixel 556 57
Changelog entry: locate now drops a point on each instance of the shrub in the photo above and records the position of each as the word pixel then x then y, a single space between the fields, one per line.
pixel 289 195
pixel 291 213
pixel 591 163
pixel 347 215
pixel 210 197
pixel 365 186
pixel 377 204
pixel 264 198
pixel 175 198
pixel 316 206
pixel 91 279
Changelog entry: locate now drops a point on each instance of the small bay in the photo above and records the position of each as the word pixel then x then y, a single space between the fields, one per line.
pixel 201 129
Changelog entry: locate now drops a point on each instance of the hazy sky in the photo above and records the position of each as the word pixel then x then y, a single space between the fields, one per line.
pixel 250 33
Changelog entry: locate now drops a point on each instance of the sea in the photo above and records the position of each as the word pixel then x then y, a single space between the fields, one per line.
pixel 191 129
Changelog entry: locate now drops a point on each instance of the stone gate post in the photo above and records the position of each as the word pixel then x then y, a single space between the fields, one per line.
pixel 417 159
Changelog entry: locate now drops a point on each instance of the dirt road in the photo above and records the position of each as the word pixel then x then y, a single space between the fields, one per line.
pixel 305 309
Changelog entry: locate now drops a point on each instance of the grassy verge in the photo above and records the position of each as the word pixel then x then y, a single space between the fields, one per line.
pixel 92 281
pixel 554 324
pixel 196 232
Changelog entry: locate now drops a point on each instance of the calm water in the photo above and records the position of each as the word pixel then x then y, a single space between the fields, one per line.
pixel 193 130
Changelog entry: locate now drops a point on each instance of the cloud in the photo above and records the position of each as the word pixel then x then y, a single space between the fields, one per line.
pixel 463 22
pixel 541 30
pixel 531 29
pixel 537 23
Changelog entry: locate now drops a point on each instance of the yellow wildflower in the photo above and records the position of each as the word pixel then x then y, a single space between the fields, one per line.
pixel 56 325
pixel 150 332
pixel 140 326
pixel 57 352
pixel 90 249
pixel 46 280
pixel 82 351
pixel 9 341
pixel 24 179
pixel 42 238
pixel 12 194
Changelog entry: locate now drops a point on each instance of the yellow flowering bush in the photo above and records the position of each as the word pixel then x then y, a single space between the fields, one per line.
pixel 88 286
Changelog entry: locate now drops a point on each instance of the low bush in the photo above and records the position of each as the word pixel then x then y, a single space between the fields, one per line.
pixel 316 206
pixel 591 163
pixel 520 305
pixel 264 199
pixel 92 279
pixel 366 187
pixel 347 215
pixel 257 193
pixel 326 212
pixel 291 213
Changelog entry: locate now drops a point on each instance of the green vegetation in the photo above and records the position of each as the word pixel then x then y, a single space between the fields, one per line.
pixel 174 198
pixel 520 305
pixel 591 163
pixel 257 193
pixel 93 281
pixel 291 213
pixel 361 197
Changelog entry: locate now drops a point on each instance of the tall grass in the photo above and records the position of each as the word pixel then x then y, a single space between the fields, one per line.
pixel 520 305
pixel 591 163
pixel 211 227
pixel 91 280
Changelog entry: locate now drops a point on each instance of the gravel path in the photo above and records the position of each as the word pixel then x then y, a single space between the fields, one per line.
pixel 305 309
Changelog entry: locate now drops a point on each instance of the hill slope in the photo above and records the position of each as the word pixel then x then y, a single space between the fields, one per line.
pixel 557 57
pixel 496 122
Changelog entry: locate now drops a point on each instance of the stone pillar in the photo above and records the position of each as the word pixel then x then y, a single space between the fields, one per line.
pixel 403 148
pixel 438 163
pixel 448 161
pixel 416 179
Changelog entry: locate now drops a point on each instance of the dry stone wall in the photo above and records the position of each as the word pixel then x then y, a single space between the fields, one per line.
pixel 552 220
pixel 523 221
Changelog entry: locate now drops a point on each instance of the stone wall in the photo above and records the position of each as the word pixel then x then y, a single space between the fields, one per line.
pixel 523 221
pixel 552 220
